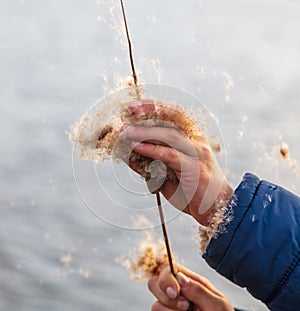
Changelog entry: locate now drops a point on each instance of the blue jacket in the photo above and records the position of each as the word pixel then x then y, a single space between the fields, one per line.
pixel 260 249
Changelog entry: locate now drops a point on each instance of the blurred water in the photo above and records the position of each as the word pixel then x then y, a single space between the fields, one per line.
pixel 240 59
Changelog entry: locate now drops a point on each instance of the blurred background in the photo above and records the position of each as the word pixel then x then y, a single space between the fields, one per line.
pixel 241 59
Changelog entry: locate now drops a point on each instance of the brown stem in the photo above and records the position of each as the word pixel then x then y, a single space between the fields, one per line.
pixel 164 229
pixel 135 78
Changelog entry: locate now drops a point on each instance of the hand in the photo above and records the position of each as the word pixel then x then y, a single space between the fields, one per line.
pixel 200 183
pixel 175 294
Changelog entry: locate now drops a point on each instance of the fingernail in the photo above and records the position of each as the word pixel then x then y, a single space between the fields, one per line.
pixel 182 279
pixel 135 103
pixel 136 144
pixel 183 305
pixel 171 292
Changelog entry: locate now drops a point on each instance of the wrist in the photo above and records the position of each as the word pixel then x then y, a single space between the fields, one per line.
pixel 217 217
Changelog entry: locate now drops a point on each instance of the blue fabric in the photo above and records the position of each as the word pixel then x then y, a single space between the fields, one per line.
pixel 260 249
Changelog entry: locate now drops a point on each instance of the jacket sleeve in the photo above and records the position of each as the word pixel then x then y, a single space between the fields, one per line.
pixel 260 248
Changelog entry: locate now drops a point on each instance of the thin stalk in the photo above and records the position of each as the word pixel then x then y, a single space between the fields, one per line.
pixel 164 229
pixel 161 214
pixel 135 78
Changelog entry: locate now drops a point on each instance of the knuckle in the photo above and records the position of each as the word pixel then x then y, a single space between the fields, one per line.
pixel 155 149
pixel 204 155
pixel 193 291
pixel 168 155
pixel 205 151
pixel 205 281
pixel 159 152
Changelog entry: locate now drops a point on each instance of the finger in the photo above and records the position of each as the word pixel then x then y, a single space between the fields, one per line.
pixel 171 157
pixel 157 306
pixel 161 110
pixel 164 136
pixel 167 280
pixel 164 285
pixel 185 168
pixel 198 278
pixel 143 106
pixel 168 298
pixel 166 289
pixel 164 298
pixel 201 295
pixel 148 107
pixel 170 189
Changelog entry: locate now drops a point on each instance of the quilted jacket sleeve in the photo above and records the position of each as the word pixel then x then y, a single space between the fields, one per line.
pixel 260 249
